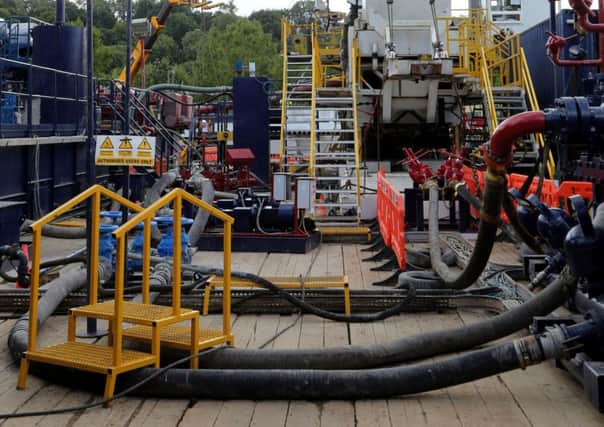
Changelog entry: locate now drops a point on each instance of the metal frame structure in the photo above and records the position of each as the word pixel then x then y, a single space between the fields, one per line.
pixel 154 324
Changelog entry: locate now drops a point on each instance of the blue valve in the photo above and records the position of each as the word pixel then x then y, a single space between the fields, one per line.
pixel 137 246
pixel 106 241
pixel 114 216
pixel 166 245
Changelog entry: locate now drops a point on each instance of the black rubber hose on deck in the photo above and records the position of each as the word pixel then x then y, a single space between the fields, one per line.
pixel 403 349
pixel 14 253
pixel 317 384
pixel 487 232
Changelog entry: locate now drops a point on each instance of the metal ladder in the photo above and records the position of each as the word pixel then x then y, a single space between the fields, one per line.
pixel 335 163
pixel 297 102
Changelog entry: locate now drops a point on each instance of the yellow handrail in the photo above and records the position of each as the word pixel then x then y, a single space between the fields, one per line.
pixel 357 139
pixel 176 196
pixel 488 91
pixel 317 79
pixel 285 29
pixel 96 192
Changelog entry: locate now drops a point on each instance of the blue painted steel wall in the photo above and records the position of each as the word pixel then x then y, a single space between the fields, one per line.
pixel 62 174
pixel 61 48
pixel 569 79
pixel 251 121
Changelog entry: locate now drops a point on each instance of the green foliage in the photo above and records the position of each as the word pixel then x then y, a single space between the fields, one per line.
pixel 195 48
pixel 270 19
pixel 244 41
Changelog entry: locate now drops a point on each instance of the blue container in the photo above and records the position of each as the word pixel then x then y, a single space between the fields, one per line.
pixel 165 248
pixel 61 48
pixel 552 81
pixel 251 121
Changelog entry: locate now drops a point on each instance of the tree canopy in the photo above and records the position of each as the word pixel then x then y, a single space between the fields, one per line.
pixel 195 48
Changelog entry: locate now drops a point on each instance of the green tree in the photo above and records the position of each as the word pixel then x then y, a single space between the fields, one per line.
pixel 301 12
pixel 179 24
pixel 270 19
pixel 166 47
pixel 244 41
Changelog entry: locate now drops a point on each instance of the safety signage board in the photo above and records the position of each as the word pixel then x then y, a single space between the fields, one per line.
pixel 125 150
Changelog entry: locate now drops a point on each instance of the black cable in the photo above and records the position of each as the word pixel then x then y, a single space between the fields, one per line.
pixel 111 399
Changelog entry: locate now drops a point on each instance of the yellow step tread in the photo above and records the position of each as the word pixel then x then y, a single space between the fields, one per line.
pixel 173 335
pixel 344 230
pixel 133 312
pixel 89 357
pixel 288 281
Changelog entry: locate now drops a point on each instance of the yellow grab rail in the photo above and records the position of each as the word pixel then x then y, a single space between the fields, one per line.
pixel 176 196
pixel 317 81
pixel 355 113
pixel 488 92
pixel 285 31
pixel 96 192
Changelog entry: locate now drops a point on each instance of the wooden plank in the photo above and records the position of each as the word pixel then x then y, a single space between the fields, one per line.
pixel 201 414
pixel 303 414
pixel 159 413
pixel 49 397
pixel 338 413
pixel 352 266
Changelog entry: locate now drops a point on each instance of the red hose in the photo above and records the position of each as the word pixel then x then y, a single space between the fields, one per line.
pixel 499 152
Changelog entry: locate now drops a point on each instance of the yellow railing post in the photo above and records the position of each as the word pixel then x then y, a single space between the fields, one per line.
pixel 120 265
pixel 284 35
pixel 94 250
pixel 176 264
pixel 146 259
pixel 34 289
pixel 316 75
pixel 355 115
pixel 226 293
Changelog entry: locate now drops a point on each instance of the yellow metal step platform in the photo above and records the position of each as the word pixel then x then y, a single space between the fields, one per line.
pixel 286 282
pixel 140 314
pixel 334 232
pixel 90 357
pixel 179 336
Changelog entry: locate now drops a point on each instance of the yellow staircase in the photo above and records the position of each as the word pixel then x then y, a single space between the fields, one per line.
pixel 331 154
pixel 153 324
pixel 495 57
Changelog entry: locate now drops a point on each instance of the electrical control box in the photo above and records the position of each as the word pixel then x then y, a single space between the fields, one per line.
pixel 282 190
pixel 305 193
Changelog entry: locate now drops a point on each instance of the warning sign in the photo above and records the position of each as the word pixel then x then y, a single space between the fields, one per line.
pixel 123 150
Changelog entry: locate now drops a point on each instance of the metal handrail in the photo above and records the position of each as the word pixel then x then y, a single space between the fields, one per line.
pixel 355 114
pixel 488 89
pixel 176 196
pixel 285 31
pixel 317 81
pixel 96 192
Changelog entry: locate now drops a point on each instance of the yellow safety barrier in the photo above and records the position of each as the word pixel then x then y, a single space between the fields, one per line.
pixel 283 283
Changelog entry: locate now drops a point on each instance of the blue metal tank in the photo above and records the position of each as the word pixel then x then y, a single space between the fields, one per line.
pixel 60 47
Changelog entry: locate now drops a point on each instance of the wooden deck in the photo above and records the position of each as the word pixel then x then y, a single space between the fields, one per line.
pixel 540 396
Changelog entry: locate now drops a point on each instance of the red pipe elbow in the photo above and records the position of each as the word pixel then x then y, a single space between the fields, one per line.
pixel 499 151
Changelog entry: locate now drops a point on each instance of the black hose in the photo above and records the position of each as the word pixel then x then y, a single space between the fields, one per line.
pixel 57 232
pixel 419 280
pixel 46 264
pixel 14 253
pixel 520 229
pixel 404 349
pixel 311 309
pixel 487 232
pixel 322 385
